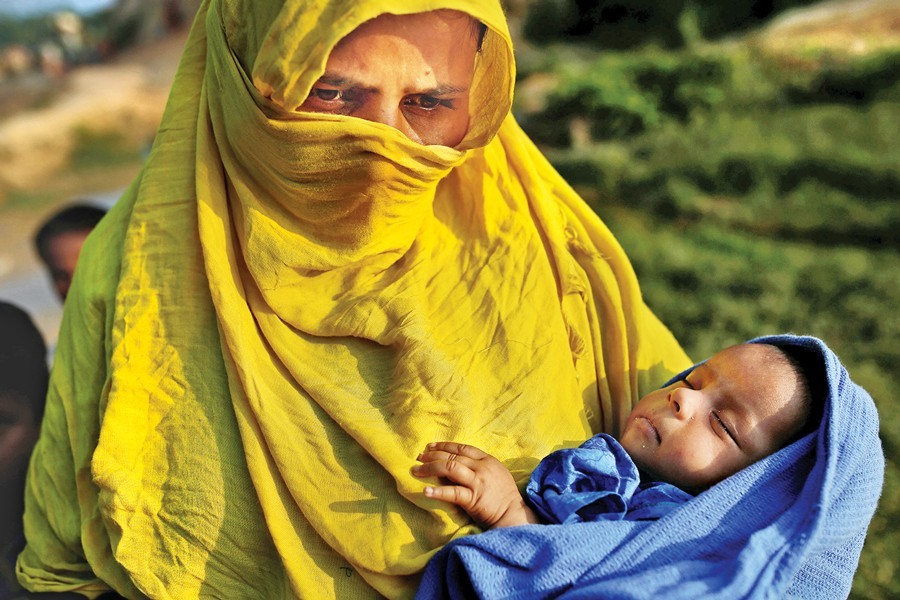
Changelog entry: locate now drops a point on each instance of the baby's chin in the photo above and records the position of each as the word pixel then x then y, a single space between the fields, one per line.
pixel 636 450
pixel 647 472
pixel 648 469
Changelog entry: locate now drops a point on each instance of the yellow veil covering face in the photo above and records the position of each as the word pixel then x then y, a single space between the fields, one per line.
pixel 285 307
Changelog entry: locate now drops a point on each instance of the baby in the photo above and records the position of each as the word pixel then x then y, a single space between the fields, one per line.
pixel 741 405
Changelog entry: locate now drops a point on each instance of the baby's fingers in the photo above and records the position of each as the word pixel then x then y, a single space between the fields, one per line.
pixel 457 449
pixel 437 456
pixel 452 470
pixel 454 494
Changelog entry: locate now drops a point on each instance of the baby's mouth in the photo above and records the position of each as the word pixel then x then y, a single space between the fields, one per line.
pixel 653 429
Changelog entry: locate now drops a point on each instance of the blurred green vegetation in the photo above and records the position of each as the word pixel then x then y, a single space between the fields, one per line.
pixel 103 150
pixel 33 31
pixel 632 23
pixel 754 192
pixel 100 160
pixel 28 32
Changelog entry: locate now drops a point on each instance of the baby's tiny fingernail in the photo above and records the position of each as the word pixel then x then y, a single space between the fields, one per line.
pixel 419 457
pixel 432 445
pixel 429 491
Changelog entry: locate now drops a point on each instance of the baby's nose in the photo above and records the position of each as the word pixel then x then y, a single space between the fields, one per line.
pixel 683 402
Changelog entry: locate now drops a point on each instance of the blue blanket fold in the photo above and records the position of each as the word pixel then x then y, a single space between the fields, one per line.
pixel 791 525
pixel 597 481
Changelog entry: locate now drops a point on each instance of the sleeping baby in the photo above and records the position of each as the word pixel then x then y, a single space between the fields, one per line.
pixel 738 407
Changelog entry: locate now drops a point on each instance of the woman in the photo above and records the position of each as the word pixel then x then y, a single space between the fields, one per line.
pixel 342 246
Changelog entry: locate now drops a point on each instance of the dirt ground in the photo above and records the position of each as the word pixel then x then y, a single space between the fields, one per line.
pixel 848 27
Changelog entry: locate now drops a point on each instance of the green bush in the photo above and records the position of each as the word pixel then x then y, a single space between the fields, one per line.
pixel 753 198
pixel 622 96
pixel 605 24
pixel 102 149
pixel 624 24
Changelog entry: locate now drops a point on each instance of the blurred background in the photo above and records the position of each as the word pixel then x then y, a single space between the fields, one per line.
pixel 745 153
pixel 83 84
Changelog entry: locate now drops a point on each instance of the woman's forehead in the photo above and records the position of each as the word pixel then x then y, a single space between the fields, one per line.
pixel 421 25
pixel 427 50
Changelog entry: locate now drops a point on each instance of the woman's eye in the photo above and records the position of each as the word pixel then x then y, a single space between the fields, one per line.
pixel 327 95
pixel 427 102
pixel 332 100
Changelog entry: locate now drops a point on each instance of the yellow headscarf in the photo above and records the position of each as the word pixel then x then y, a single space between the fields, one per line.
pixel 284 309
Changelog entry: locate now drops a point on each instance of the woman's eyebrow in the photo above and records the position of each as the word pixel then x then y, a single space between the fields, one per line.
pixel 445 90
pixel 341 81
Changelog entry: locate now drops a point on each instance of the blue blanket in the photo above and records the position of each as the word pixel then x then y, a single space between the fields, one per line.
pixel 791 525
pixel 597 481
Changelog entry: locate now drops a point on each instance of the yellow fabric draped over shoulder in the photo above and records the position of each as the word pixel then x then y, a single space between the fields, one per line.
pixel 285 307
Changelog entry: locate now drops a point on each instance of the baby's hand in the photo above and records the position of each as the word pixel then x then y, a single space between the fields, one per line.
pixel 481 485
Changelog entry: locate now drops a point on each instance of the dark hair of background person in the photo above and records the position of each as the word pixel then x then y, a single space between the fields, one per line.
pixel 23 359
pixel 75 217
pixel 59 242
pixel 23 390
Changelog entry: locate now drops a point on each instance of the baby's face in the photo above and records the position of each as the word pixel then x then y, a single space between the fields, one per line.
pixel 740 406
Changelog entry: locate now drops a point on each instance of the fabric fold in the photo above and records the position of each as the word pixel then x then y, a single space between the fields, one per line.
pixel 597 481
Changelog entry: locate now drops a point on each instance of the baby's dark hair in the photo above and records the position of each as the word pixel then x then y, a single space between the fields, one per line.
pixel 75 217
pixel 810 370
pixel 23 360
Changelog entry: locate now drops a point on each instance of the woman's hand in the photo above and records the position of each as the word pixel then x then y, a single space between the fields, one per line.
pixel 479 484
